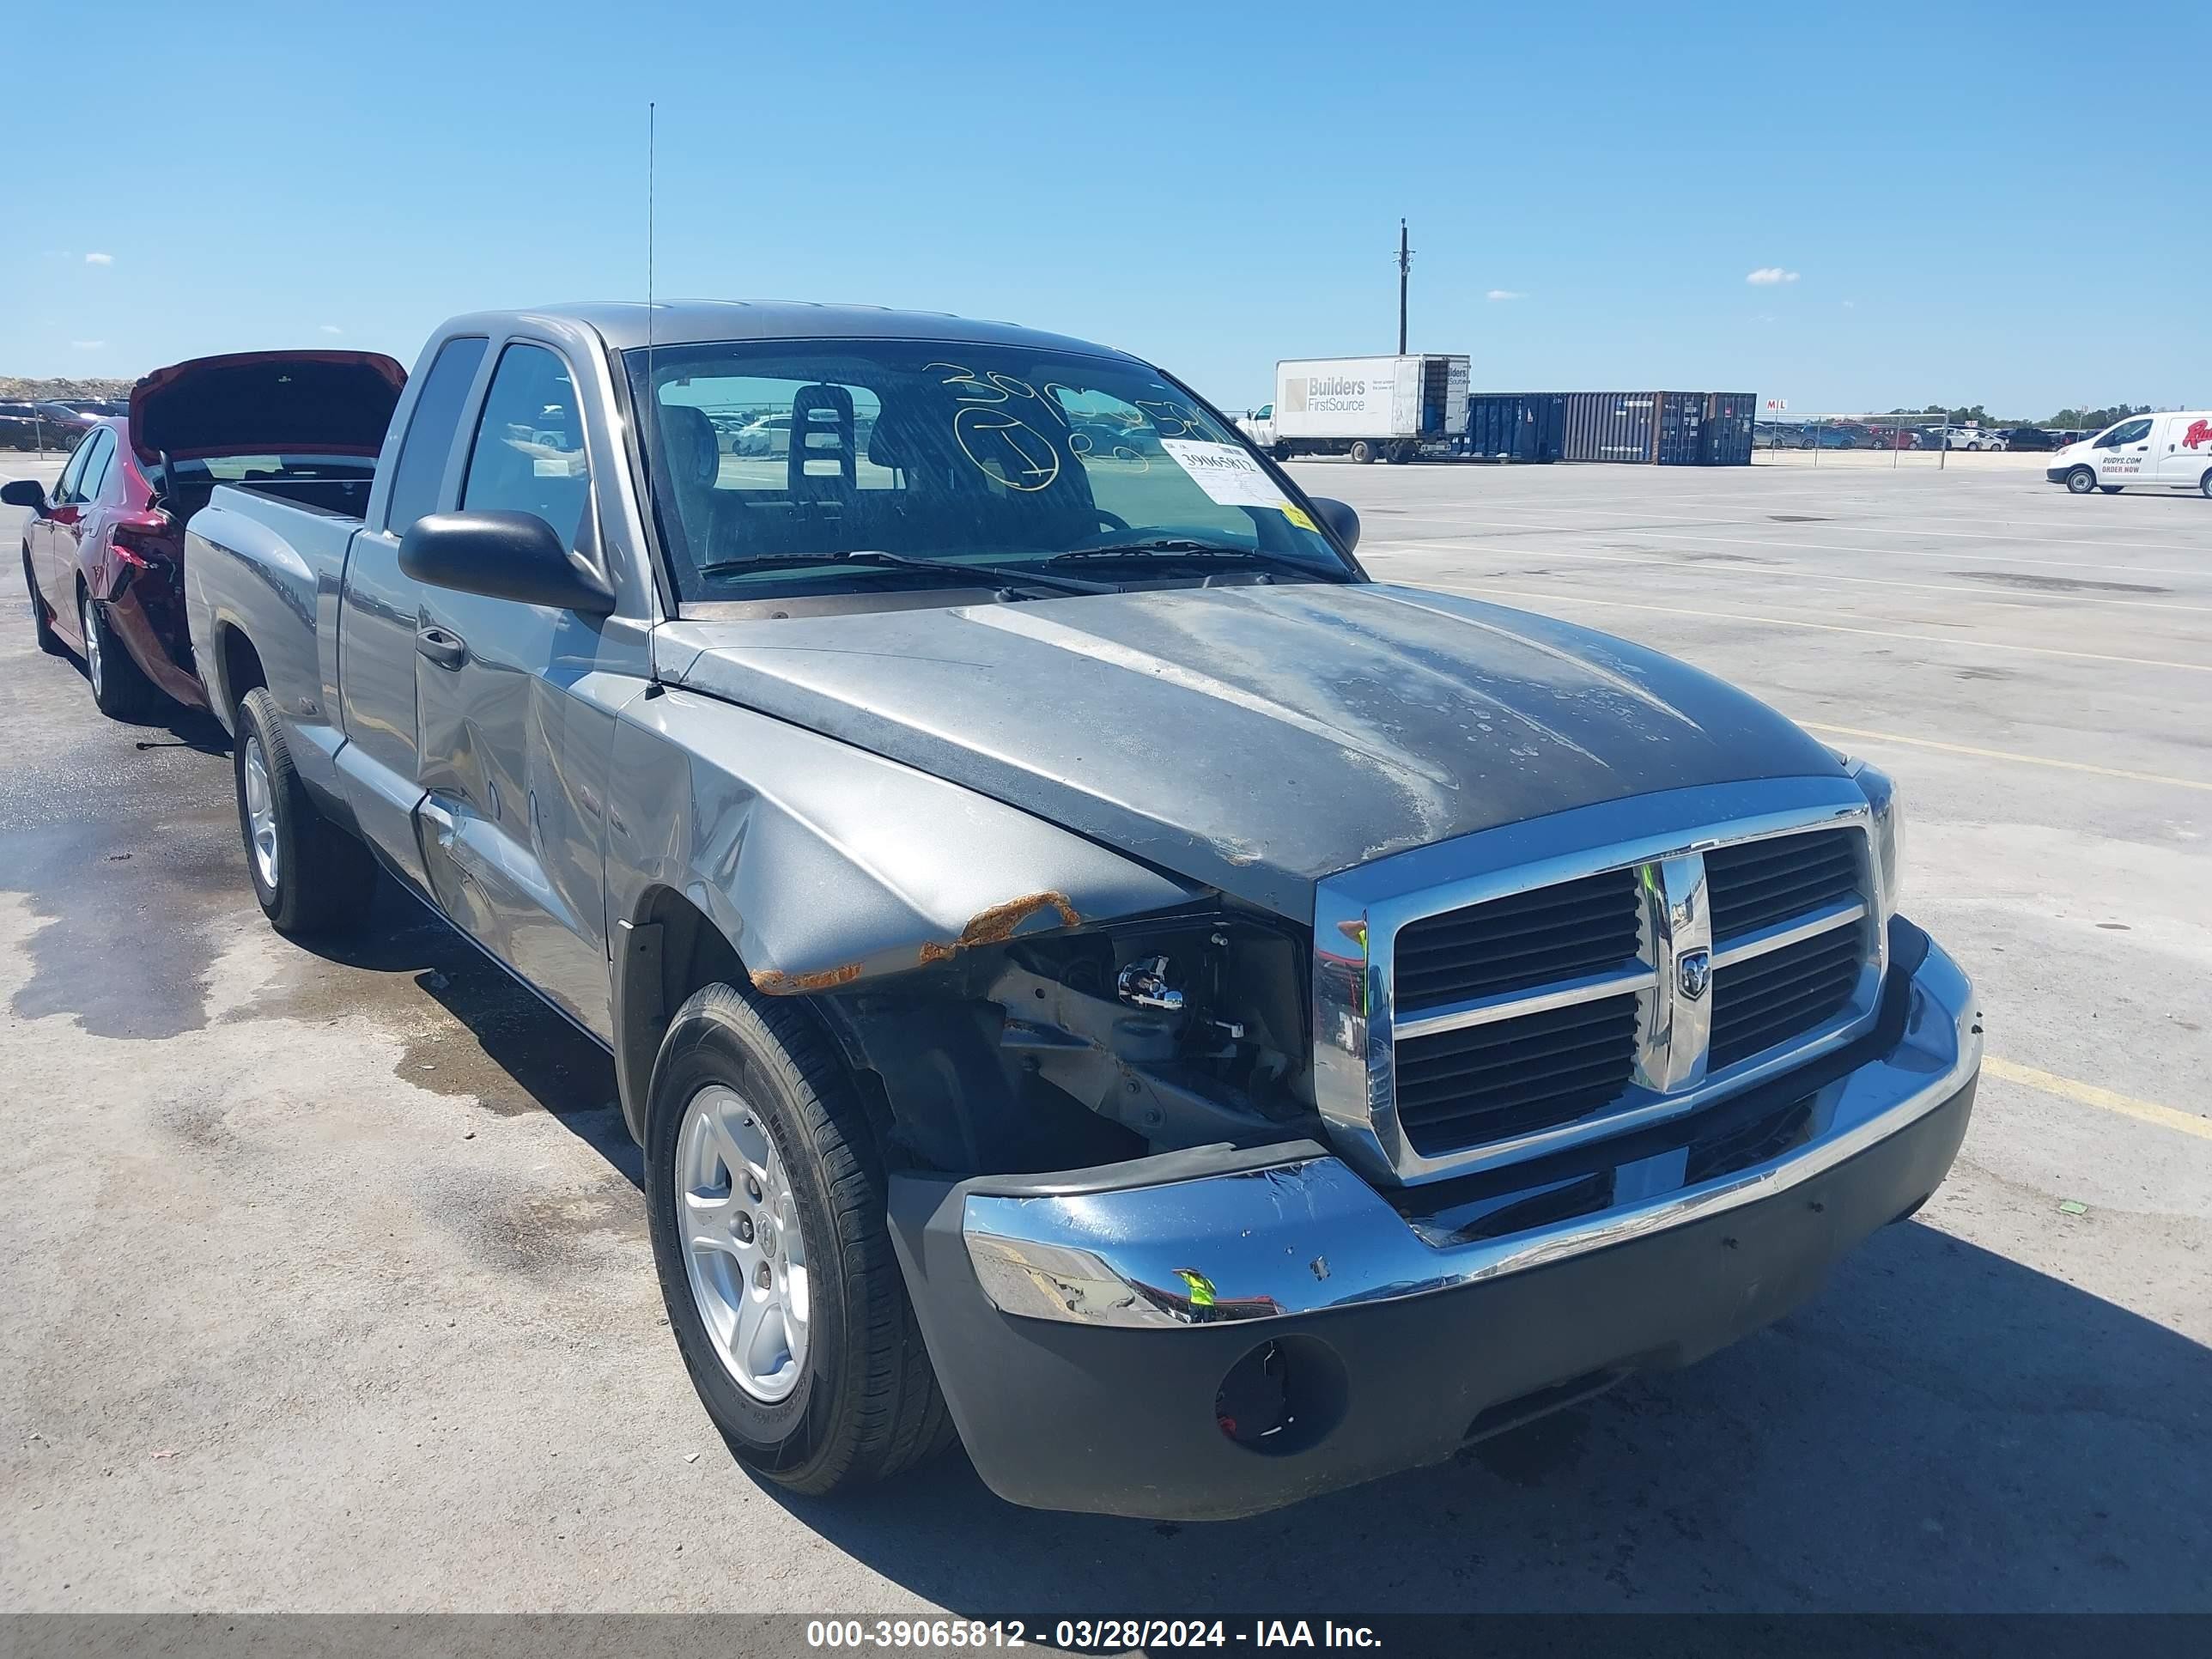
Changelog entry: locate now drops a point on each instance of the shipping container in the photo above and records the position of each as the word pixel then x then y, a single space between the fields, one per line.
pixel 1728 419
pixel 1662 429
pixel 1513 428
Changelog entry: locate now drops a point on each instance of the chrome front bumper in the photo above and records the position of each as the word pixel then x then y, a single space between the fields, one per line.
pixel 1297 1232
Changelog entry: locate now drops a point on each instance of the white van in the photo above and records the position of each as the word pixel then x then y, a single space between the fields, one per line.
pixel 2144 452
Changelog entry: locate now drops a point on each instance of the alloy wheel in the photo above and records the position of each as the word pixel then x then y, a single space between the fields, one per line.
pixel 86 625
pixel 744 1250
pixel 260 811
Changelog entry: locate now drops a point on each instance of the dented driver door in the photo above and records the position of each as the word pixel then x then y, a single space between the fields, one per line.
pixel 513 742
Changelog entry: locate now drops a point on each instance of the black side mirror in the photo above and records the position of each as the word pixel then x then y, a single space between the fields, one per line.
pixel 504 556
pixel 1342 522
pixel 25 492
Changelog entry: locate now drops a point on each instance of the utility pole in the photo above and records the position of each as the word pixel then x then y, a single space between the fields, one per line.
pixel 1405 264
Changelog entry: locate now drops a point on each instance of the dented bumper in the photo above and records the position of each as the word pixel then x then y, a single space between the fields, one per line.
pixel 1089 1328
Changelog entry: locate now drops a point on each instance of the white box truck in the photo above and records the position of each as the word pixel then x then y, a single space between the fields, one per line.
pixel 1391 409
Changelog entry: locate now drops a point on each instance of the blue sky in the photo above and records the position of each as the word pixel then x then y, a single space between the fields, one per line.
pixel 1953 201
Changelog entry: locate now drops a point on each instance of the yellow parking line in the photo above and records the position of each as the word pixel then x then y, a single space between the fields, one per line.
pixel 1823 628
pixel 2006 755
pixel 2105 1100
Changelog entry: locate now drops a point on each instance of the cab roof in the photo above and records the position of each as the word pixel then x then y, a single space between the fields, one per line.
pixel 622 323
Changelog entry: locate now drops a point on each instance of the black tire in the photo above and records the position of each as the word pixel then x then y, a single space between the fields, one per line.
pixel 865 1404
pixel 1362 451
pixel 320 878
pixel 2081 481
pixel 2111 489
pixel 120 686
pixel 41 618
pixel 1281 452
pixel 2204 483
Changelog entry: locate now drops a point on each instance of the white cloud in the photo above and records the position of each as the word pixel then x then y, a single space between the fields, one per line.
pixel 1851 304
pixel 331 328
pixel 1504 294
pixel 89 345
pixel 100 258
pixel 1768 276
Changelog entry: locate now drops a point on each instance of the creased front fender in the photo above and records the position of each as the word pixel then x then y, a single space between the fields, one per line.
pixel 824 864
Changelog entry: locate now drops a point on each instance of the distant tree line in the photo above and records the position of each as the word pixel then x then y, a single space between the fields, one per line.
pixel 2078 419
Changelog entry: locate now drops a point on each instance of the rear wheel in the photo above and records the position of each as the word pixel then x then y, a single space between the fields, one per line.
pixel 1362 451
pixel 120 686
pixel 2110 490
pixel 41 618
pixel 765 1193
pixel 2081 481
pixel 2204 483
pixel 309 875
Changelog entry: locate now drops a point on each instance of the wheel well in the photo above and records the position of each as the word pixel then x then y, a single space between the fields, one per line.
pixel 669 950
pixel 241 664
pixel 672 948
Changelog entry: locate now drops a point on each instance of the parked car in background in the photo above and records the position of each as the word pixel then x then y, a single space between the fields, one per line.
pixel 2030 437
pixel 1972 438
pixel 103 555
pixel 1022 1042
pixel 70 415
pixel 19 426
pixel 765 435
pixel 2168 451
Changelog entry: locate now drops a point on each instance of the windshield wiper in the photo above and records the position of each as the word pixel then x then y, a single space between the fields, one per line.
pixel 1176 548
pixel 975 575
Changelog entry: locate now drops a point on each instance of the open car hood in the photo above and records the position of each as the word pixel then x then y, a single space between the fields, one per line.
pixel 266 403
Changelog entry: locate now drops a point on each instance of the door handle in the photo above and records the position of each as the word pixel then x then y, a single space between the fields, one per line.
pixel 442 645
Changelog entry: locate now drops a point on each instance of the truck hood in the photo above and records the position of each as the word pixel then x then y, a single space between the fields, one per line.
pixel 1254 739
pixel 265 403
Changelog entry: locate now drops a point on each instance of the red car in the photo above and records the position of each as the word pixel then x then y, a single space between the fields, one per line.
pixel 104 556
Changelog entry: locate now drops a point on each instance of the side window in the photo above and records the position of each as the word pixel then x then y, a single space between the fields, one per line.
pixel 2133 433
pixel 528 456
pixel 429 440
pixel 100 456
pixel 73 472
pixel 1265 412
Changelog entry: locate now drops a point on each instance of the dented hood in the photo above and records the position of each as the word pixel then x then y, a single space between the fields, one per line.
pixel 1255 739
pixel 266 403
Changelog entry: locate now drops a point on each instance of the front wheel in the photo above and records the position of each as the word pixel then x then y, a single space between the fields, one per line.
pixel 2110 490
pixel 2081 481
pixel 309 875
pixel 766 1203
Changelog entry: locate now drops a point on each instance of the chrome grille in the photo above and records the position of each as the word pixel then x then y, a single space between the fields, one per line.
pixel 1511 1076
pixel 1544 984
pixel 1761 883
pixel 1510 944
pixel 1768 1000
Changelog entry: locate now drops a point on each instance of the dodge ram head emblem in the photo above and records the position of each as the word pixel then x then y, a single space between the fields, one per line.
pixel 1693 971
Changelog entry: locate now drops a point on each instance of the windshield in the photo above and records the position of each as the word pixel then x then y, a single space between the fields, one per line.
pixel 773 460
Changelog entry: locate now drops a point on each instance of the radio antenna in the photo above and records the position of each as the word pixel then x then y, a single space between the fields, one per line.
pixel 651 125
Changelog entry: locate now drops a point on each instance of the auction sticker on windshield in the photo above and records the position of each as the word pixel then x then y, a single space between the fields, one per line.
pixel 1225 473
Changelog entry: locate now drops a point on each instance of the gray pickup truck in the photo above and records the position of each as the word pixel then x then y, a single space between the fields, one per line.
pixel 1093 971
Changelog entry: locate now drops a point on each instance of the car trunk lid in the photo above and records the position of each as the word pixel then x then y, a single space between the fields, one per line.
pixel 256 403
